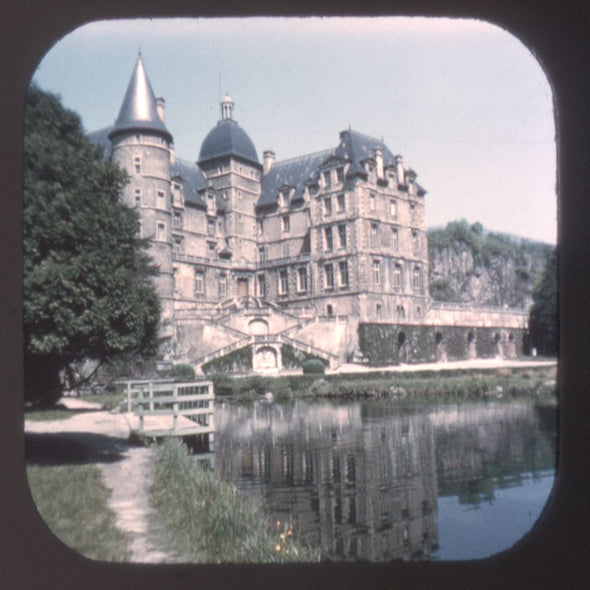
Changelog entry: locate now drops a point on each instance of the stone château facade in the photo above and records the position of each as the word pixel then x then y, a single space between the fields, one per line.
pixel 311 255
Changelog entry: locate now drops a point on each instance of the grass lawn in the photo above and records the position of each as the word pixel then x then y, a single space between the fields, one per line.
pixel 208 521
pixel 72 500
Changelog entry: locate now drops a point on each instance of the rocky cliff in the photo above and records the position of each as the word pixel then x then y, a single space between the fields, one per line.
pixel 468 264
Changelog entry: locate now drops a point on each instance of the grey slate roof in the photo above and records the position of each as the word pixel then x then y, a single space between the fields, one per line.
pixel 228 138
pixel 101 138
pixel 139 111
pixel 294 173
pixel 354 147
pixel 193 181
pixel 358 147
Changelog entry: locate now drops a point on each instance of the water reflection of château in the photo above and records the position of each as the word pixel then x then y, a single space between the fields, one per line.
pixel 358 493
pixel 361 480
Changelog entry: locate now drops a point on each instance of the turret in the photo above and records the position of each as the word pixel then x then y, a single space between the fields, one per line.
pixel 141 145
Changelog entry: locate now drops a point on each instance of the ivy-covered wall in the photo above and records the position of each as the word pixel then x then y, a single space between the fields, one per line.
pixel 237 361
pixel 294 359
pixel 385 344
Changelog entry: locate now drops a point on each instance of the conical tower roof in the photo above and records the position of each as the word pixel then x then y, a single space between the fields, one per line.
pixel 139 111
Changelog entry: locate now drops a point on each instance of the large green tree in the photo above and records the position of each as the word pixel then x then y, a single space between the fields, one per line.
pixel 544 315
pixel 88 290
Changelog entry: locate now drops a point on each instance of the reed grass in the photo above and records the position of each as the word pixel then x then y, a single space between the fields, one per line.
pixel 208 521
pixel 72 500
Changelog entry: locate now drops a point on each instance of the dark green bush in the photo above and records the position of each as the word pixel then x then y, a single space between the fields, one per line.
pixel 313 367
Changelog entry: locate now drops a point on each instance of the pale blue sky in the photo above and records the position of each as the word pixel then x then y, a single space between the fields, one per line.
pixel 464 102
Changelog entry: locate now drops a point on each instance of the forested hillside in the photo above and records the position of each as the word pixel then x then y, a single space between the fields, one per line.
pixel 469 264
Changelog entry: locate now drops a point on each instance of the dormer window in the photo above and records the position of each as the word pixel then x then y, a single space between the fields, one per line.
pixel 284 198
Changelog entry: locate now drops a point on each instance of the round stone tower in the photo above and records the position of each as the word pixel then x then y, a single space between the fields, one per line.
pixel 141 144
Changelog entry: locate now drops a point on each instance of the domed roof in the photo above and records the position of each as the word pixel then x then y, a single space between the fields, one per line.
pixel 227 138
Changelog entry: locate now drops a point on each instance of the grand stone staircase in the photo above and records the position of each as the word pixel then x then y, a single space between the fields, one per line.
pixel 204 335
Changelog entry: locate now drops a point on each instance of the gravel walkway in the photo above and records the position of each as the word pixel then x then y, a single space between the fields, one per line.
pixel 127 470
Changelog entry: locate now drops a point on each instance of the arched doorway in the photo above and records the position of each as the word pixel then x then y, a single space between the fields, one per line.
pixel 402 348
pixel 511 346
pixel 440 352
pixel 497 345
pixel 471 349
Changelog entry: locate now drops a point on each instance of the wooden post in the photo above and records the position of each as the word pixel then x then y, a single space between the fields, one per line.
pixel 128 396
pixel 175 408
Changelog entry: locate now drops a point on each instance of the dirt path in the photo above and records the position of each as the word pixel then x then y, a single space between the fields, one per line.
pixel 127 471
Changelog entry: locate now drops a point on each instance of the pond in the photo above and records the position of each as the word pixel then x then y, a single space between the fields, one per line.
pixel 374 481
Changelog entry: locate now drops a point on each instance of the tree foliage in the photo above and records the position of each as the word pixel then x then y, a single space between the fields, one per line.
pixel 88 289
pixel 544 316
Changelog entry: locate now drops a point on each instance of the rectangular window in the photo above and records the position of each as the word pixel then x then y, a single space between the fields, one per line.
pixel 372 205
pixel 376 272
pixel 177 194
pixel 302 279
pixel 177 220
pixel 393 209
pixel 137 198
pixel 259 227
pixel 211 205
pixel 329 276
pixel 415 242
pixel 211 251
pixel 137 164
pixel 210 227
pixel 373 236
pixel 378 310
pixel 286 223
pixel 327 178
pixel 261 286
pixel 413 213
pixel 328 240
pixel 397 277
pixel 178 245
pixel 222 286
pixel 161 194
pixel 161 232
pixel 328 206
pixel 342 235
pixel 285 249
pixel 262 254
pixel 395 238
pixel 283 282
pixel 340 175
pixel 199 283
pixel 343 267
pixel 341 203
pixel 418 279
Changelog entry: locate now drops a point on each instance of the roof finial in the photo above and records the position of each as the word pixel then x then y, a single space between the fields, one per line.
pixel 227 108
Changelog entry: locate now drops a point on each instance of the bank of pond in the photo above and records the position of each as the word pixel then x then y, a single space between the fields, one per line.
pixel 452 385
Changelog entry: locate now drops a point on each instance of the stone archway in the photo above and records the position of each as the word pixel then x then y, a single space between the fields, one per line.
pixel 265 358
pixel 258 326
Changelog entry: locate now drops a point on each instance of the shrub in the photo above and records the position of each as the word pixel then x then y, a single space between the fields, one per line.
pixel 313 367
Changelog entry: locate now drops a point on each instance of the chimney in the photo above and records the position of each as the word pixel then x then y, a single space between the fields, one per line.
pixel 160 106
pixel 399 162
pixel 379 161
pixel 268 159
